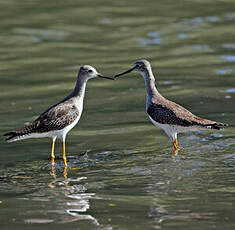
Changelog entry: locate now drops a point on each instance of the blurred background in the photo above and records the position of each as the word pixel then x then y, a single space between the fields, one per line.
pixel 128 179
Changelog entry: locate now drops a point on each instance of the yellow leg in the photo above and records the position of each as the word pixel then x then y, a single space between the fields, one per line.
pixel 175 146
pixel 52 152
pixel 64 154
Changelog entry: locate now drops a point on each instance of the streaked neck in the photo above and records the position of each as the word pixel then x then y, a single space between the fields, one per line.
pixel 150 83
pixel 151 90
pixel 79 90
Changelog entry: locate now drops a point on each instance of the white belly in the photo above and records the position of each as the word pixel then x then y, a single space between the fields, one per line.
pixel 172 130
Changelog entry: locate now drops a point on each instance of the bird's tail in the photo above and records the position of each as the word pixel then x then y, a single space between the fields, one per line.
pixel 20 134
pixel 15 136
pixel 216 125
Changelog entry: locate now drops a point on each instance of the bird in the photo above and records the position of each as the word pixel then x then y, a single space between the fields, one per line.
pixel 61 117
pixel 166 114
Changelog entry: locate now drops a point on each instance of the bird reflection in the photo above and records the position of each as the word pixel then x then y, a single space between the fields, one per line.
pixel 53 174
pixel 77 201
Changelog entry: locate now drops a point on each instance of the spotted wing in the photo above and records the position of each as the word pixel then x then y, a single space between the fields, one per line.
pixel 56 118
pixel 174 114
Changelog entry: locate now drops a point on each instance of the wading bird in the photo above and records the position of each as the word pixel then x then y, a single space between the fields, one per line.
pixel 169 116
pixel 60 118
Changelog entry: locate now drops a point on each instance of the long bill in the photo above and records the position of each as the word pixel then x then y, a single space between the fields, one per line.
pixel 123 73
pixel 102 76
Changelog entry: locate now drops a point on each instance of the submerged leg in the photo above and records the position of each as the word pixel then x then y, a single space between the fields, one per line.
pixel 65 172
pixel 175 146
pixel 173 137
pixel 53 174
pixel 64 154
pixel 52 151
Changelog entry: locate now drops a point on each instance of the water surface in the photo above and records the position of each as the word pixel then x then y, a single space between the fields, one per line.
pixel 128 179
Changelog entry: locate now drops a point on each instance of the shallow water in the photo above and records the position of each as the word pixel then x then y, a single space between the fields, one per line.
pixel 128 179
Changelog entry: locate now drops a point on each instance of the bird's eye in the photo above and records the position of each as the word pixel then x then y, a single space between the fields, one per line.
pixel 137 65
pixel 90 71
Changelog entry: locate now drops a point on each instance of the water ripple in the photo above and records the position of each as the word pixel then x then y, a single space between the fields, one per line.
pixel 229 58
pixel 155 39
pixel 232 90
pixel 224 71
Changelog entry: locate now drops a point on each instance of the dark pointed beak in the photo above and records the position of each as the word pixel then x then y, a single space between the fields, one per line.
pixel 123 73
pixel 102 76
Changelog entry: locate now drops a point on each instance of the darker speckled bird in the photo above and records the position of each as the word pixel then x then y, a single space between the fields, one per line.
pixel 166 114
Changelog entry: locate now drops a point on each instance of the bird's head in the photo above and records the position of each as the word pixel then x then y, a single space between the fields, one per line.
pixel 140 66
pixel 89 72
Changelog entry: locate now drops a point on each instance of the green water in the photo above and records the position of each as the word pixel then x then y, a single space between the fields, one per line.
pixel 129 179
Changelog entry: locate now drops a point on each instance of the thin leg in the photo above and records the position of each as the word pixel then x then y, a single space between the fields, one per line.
pixel 175 146
pixel 52 151
pixel 64 154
